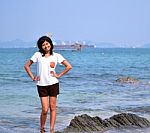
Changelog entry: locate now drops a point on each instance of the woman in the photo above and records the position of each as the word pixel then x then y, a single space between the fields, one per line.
pixel 47 78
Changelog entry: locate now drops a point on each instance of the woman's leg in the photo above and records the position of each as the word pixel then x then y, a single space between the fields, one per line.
pixel 45 107
pixel 52 102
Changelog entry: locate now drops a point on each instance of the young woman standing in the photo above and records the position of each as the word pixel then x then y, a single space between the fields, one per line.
pixel 46 78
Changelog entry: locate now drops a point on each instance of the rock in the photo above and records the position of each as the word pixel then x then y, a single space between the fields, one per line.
pixel 127 80
pixel 85 123
pixel 130 120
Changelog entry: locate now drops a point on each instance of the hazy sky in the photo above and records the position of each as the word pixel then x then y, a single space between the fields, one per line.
pixel 115 21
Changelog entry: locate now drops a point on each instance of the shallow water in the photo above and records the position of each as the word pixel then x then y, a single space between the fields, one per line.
pixel 90 87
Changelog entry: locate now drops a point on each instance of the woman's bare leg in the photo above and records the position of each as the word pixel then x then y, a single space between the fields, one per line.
pixel 45 107
pixel 52 112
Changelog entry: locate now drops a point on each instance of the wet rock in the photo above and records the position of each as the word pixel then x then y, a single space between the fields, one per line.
pixel 130 120
pixel 85 123
pixel 127 80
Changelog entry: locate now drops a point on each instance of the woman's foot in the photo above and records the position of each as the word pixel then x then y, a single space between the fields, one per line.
pixel 52 131
pixel 42 130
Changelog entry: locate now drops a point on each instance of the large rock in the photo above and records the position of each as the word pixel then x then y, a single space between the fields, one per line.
pixel 127 80
pixel 85 123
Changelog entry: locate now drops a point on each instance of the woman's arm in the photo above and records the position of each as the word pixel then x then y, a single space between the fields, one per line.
pixel 67 68
pixel 27 68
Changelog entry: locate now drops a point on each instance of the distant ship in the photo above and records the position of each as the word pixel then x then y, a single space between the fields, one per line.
pixel 75 46
pixel 63 46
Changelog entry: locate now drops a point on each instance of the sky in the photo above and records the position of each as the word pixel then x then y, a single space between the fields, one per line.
pixel 114 21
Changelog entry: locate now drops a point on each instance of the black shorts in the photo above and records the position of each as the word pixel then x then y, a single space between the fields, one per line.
pixel 50 90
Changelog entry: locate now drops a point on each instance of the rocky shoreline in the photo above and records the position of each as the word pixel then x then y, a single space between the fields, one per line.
pixel 86 123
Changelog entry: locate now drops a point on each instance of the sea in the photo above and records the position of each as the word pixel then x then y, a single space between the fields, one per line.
pixel 89 88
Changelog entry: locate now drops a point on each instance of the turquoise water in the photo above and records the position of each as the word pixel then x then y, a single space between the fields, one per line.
pixel 90 87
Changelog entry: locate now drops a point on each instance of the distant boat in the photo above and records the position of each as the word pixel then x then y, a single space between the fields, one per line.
pixel 75 46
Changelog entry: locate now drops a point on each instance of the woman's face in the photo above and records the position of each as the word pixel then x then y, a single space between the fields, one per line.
pixel 46 46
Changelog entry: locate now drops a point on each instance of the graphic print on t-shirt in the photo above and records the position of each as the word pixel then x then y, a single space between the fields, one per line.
pixel 52 64
pixel 52 67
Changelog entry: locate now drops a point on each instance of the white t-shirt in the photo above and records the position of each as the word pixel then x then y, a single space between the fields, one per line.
pixel 44 67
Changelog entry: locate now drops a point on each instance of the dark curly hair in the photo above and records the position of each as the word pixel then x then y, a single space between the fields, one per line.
pixel 41 41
